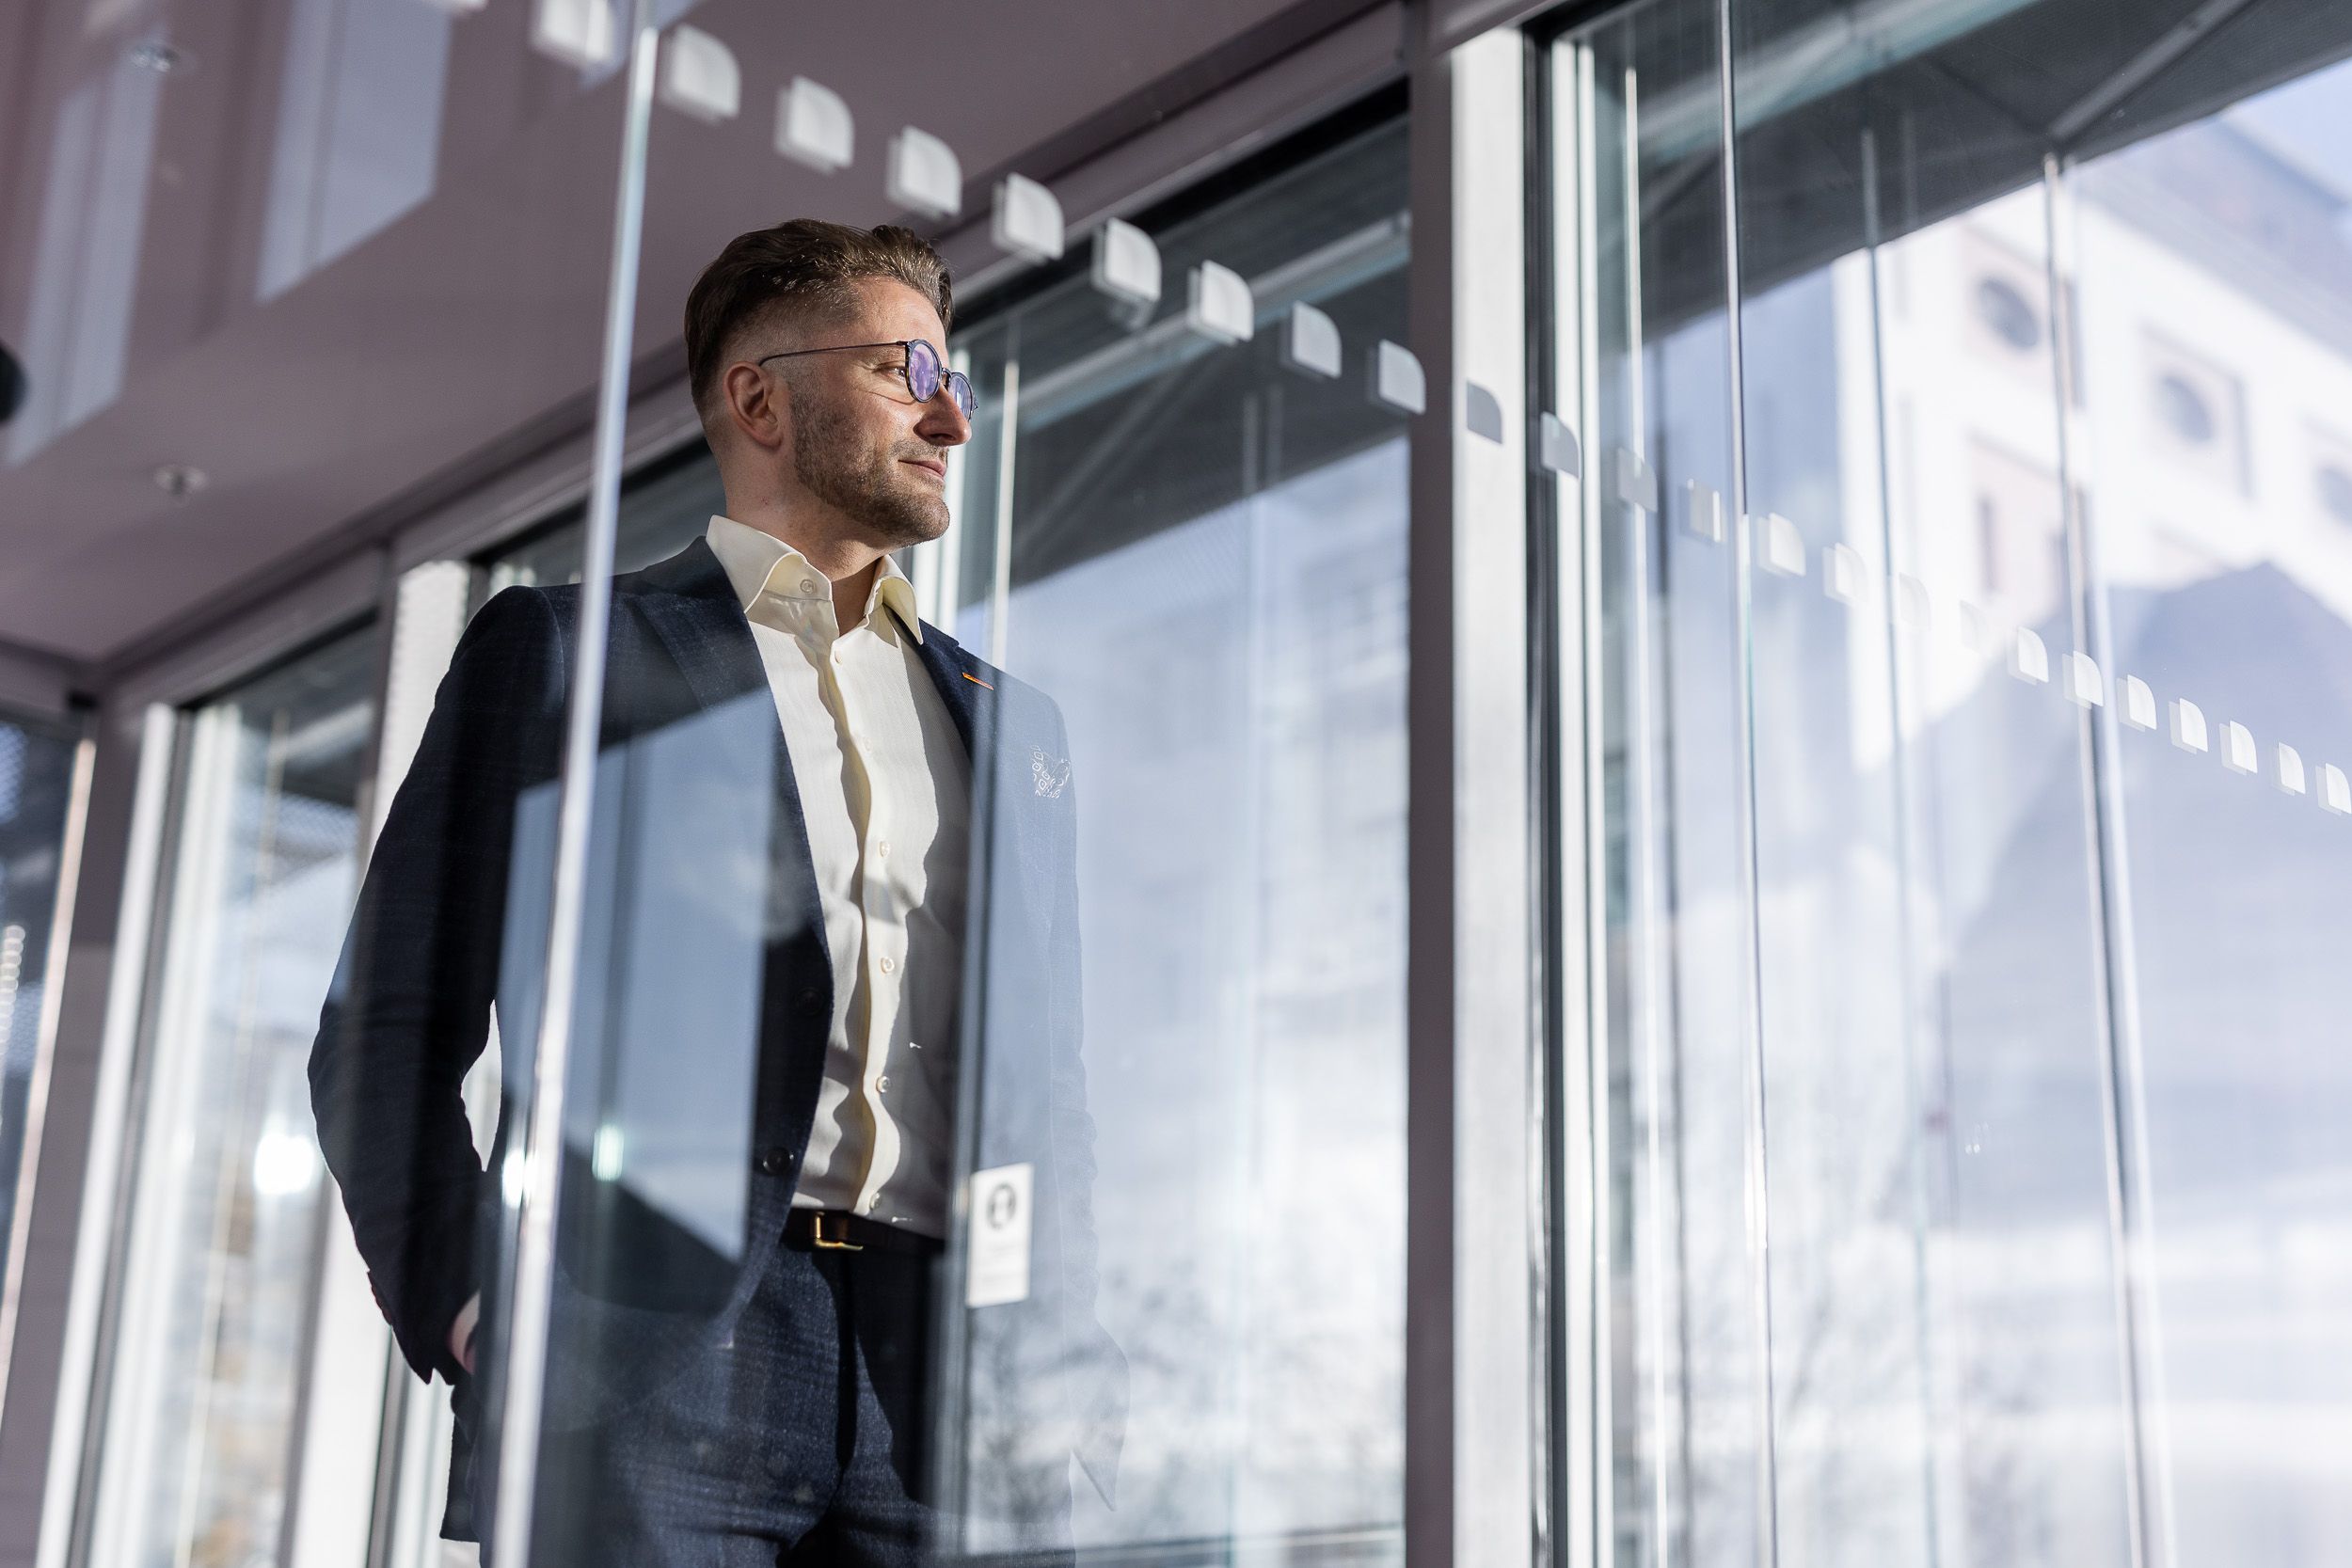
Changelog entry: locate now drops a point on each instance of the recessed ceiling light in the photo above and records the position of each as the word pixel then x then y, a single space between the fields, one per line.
pixel 160 58
pixel 179 481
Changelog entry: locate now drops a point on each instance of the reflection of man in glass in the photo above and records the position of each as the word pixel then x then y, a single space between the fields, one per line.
pixel 776 1400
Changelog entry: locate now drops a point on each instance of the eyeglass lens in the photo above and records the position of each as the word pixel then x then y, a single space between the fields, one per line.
pixel 924 375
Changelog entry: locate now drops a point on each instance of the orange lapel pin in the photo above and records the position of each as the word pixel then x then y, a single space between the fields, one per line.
pixel 976 680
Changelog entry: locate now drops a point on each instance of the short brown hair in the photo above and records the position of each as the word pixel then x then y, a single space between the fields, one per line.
pixel 800 266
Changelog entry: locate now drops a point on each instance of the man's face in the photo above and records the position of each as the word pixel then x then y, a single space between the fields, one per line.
pixel 860 443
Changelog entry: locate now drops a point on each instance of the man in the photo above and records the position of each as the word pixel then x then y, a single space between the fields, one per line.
pixel 757 1390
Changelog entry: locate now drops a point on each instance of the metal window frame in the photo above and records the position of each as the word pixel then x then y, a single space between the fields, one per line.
pixel 1478 1440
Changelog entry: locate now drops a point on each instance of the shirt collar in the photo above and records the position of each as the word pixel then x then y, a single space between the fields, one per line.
pixel 758 561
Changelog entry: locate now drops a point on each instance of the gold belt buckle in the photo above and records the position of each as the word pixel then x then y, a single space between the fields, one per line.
pixel 836 1242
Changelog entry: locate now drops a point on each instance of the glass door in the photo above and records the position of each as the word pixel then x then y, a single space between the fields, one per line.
pixel 219 1288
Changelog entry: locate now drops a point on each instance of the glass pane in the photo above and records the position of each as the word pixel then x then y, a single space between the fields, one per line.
pixel 36 795
pixel 2041 335
pixel 1207 575
pixel 222 1253
pixel 2211 265
pixel 1945 1344
pixel 839 884
pixel 284 279
pixel 1681 1340
pixel 662 511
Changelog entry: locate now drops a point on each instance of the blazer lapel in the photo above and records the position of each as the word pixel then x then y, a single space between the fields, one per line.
pixel 691 607
pixel 969 695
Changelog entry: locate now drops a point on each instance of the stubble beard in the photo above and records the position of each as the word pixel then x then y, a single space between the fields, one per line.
pixel 830 460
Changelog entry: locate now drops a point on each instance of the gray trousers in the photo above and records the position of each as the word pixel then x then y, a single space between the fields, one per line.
pixel 793 1428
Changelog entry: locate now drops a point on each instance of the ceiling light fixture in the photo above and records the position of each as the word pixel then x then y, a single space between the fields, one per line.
pixel 180 480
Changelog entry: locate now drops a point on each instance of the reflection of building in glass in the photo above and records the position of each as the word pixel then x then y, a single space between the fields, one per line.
pixel 2210 286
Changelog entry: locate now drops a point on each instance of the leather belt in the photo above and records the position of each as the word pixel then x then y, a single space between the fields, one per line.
pixel 838 1230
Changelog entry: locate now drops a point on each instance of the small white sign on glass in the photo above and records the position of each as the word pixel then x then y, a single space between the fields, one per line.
pixel 996 1272
pixel 1026 221
pixel 923 174
pixel 699 77
pixel 1126 265
pixel 578 32
pixel 813 127
pixel 1219 306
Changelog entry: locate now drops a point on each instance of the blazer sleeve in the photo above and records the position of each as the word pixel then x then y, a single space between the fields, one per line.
pixel 407 1013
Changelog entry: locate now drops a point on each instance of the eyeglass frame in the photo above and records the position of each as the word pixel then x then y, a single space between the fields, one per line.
pixel 948 377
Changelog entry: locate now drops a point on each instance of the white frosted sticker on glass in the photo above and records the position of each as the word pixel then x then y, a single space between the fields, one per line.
pixel 458 8
pixel 2083 683
pixel 1026 220
pixel 1482 412
pixel 2188 725
pixel 578 32
pixel 2139 704
pixel 699 77
pixel 1556 447
pixel 997 1245
pixel 2029 661
pixel 1975 632
pixel 1783 551
pixel 813 126
pixel 923 174
pixel 1126 263
pixel 2287 771
pixel 1217 304
pixel 2335 790
pixel 1310 342
pixel 1913 607
pixel 1635 484
pixel 1397 381
pixel 2237 748
pixel 1703 511
pixel 1842 575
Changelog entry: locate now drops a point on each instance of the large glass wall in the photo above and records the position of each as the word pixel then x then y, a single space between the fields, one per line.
pixel 935 1064
pixel 1963 491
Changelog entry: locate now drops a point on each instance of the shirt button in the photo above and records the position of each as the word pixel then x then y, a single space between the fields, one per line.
pixel 808 585
pixel 882 848
pixel 868 1206
pixel 882 1085
pixel 887 966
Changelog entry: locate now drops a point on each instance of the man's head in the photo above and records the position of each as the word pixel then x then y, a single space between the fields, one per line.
pixel 835 438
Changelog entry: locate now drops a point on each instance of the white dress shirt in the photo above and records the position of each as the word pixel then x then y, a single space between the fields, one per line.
pixel 884 785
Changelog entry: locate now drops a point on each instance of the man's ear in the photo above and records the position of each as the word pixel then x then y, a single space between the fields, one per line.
pixel 759 407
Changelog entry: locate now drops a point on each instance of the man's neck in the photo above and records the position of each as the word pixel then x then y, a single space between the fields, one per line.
pixel 849 564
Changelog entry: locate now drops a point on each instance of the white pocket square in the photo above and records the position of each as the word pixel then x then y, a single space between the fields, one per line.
pixel 1050 773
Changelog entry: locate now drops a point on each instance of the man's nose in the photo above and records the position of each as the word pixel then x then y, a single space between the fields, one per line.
pixel 942 422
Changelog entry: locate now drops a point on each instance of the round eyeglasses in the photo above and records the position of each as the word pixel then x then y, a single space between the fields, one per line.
pixel 923 370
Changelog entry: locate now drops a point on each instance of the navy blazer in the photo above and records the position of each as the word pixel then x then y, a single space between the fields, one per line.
pixel 445 923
